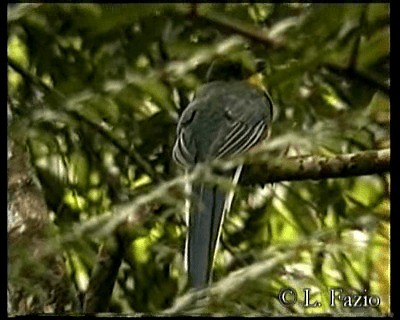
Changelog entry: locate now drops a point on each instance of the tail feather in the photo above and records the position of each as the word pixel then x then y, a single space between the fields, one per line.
pixel 204 221
pixel 204 227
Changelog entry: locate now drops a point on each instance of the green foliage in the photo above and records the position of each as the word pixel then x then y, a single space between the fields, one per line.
pixel 95 92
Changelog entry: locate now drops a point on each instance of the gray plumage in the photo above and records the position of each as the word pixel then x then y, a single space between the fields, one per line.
pixel 224 119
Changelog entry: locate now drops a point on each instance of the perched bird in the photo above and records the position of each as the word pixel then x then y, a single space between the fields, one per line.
pixel 224 119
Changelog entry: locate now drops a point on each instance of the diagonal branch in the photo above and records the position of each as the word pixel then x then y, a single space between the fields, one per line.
pixel 131 153
pixel 104 274
pixel 238 27
pixel 359 76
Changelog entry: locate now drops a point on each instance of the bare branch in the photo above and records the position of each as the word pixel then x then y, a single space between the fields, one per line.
pixel 317 167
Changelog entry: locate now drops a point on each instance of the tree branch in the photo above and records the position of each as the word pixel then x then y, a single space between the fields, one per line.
pixel 317 167
pixel 257 171
pixel 104 274
pixel 109 259
pixel 237 27
pixel 35 274
pixel 131 153
pixel 359 76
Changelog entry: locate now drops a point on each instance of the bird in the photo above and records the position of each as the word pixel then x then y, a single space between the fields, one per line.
pixel 223 120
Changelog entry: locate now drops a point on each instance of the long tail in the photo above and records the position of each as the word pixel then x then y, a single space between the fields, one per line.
pixel 205 219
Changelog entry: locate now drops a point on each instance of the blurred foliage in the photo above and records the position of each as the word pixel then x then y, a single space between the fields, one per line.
pixel 95 92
